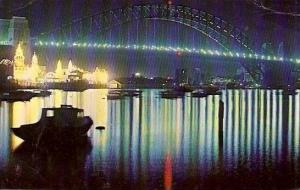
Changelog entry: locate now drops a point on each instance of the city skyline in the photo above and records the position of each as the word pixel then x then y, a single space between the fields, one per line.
pixel 140 94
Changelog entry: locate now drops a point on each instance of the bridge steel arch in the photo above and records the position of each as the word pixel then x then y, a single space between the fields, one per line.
pixel 215 28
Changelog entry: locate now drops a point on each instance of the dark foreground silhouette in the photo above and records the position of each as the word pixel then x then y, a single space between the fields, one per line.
pixel 49 166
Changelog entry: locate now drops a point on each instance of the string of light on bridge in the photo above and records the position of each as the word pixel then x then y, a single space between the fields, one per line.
pixel 199 51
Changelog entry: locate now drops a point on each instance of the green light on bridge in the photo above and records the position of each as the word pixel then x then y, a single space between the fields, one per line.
pixel 201 51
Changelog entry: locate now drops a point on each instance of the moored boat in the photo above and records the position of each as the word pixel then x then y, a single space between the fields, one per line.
pixel 118 94
pixel 15 96
pixel 131 93
pixel 199 94
pixel 115 95
pixel 42 93
pixel 289 92
pixel 57 125
pixel 184 88
pixel 204 92
pixel 172 94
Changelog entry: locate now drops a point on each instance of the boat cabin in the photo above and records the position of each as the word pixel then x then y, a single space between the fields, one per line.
pixel 66 115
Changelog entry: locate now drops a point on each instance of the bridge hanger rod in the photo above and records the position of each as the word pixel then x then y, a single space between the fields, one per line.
pixel 30 3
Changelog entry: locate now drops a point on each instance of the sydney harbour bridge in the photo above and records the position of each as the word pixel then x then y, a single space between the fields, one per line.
pixel 236 45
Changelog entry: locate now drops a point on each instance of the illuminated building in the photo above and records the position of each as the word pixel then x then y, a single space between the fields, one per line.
pixel 19 64
pixel 114 84
pixel 59 72
pixel 71 68
pixel 75 75
pixel 101 76
pixel 35 70
pixel 26 75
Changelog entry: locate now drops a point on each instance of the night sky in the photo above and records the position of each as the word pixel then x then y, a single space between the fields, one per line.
pixel 45 14
pixel 261 26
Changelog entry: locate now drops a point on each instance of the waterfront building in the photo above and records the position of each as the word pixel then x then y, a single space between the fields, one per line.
pixel 13 31
pixel 114 84
pixel 35 73
pixel 101 76
pixel 181 77
pixel 19 64
pixel 71 67
pixel 59 72
pixel 35 70
pixel 6 70
pixel 74 73
pixel 23 73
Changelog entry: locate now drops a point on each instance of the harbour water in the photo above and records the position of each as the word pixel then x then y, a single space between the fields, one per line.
pixel 154 143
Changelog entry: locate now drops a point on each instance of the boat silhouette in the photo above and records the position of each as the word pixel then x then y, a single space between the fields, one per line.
pixel 15 96
pixel 172 94
pixel 57 125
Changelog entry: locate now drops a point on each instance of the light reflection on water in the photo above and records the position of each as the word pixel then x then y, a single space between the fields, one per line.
pixel 157 143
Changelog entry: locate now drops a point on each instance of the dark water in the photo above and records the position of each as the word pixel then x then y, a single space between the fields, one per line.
pixel 153 143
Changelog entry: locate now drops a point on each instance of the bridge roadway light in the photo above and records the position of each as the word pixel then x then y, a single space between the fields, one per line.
pixel 210 52
pixel 200 51
pixel 188 50
pixel 203 51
